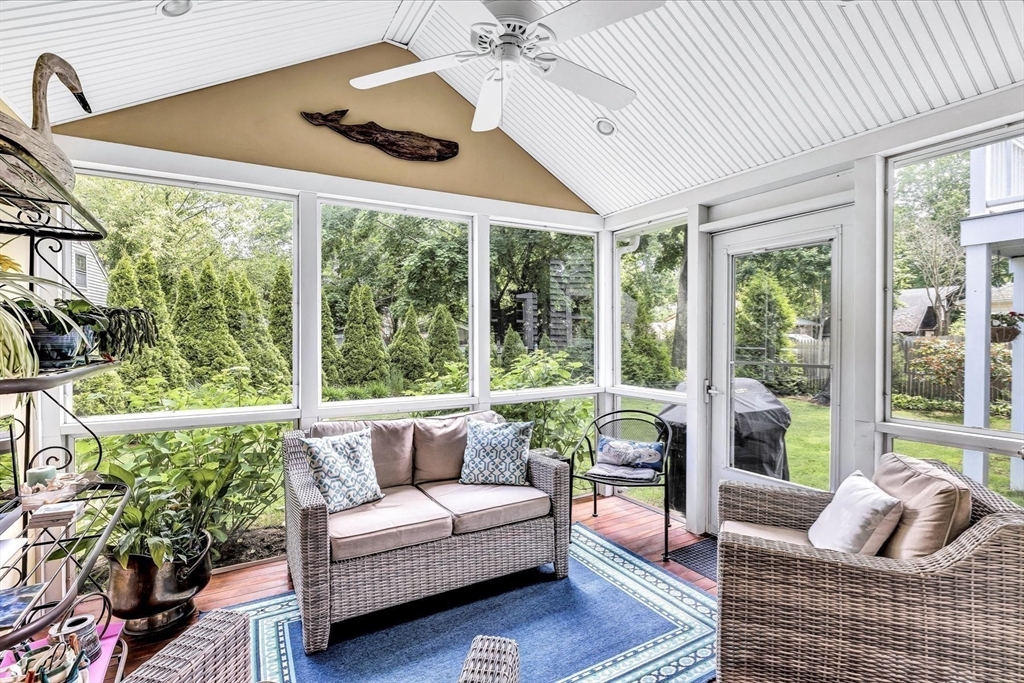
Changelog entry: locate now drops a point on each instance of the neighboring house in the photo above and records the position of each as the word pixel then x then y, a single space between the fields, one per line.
pixel 87 273
pixel 915 315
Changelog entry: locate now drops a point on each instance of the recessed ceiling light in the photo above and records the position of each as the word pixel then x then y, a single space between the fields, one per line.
pixel 173 9
pixel 604 126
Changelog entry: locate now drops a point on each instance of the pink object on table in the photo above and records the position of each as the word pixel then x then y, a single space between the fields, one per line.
pixel 98 668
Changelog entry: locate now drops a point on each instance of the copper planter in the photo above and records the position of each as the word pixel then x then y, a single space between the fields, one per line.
pixel 151 598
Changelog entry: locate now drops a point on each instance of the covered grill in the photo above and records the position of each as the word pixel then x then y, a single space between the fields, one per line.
pixel 759 441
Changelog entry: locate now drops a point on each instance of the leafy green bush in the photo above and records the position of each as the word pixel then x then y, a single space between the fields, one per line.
pixel 177 460
pixel 512 349
pixel 922 404
pixel 410 357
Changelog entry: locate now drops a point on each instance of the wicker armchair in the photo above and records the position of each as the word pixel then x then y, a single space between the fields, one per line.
pixel 214 650
pixel 796 614
pixel 491 660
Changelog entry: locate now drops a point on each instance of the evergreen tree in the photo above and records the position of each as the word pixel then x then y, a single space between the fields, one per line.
pixel 165 358
pixel 233 309
pixel 646 361
pixel 184 302
pixel 764 318
pixel 376 352
pixel 269 369
pixel 205 338
pixel 546 345
pixel 280 316
pixel 409 353
pixel 123 286
pixel 512 349
pixel 330 354
pixel 353 344
pixel 443 339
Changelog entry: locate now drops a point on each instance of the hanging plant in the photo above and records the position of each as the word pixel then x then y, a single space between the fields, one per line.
pixel 1006 326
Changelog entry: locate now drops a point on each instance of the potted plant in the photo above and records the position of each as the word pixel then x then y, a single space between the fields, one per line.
pixel 31 329
pixel 1006 326
pixel 159 552
pixel 110 330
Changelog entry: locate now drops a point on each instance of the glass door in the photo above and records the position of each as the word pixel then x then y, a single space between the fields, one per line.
pixel 774 339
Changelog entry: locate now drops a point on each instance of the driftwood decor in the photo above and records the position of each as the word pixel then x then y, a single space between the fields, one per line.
pixel 401 144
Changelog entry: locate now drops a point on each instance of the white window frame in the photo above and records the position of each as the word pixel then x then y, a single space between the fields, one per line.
pixel 978 439
pixel 307 407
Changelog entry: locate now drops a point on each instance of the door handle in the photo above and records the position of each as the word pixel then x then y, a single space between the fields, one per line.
pixel 709 390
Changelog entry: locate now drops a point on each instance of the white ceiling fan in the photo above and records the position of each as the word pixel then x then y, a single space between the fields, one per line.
pixel 511 33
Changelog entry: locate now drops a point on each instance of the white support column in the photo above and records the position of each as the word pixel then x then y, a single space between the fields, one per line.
pixel 977 352
pixel 480 309
pixel 698 316
pixel 1017 375
pixel 306 305
pixel 979 181
pixel 606 331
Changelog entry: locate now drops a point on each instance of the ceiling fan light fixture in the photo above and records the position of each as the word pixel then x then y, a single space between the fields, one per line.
pixel 172 9
pixel 605 126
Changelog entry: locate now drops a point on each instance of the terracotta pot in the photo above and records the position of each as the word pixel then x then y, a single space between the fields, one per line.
pixel 151 598
pixel 1004 335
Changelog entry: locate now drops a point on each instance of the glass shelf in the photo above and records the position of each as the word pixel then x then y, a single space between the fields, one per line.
pixel 55 378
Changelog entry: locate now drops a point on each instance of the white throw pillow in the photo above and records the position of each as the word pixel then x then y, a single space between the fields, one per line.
pixel 860 518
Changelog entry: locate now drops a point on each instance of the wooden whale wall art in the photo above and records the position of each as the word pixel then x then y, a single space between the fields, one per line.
pixel 401 144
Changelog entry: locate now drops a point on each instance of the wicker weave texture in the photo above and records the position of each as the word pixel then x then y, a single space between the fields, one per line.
pixel 214 650
pixel 797 614
pixel 329 592
pixel 491 660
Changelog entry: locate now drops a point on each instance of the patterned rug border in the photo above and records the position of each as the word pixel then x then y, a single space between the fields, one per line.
pixel 684 655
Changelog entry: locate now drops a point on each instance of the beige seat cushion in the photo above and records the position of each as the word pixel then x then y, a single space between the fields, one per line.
pixel 390 441
pixel 440 444
pixel 484 506
pixel 405 516
pixel 768 533
pixel 936 506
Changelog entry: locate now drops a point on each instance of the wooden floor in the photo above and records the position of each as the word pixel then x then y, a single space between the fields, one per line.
pixel 630 525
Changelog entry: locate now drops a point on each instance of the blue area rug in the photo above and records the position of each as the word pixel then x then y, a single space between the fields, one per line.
pixel 616 618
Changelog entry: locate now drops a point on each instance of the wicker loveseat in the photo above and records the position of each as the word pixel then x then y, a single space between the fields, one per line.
pixel 429 534
pixel 796 614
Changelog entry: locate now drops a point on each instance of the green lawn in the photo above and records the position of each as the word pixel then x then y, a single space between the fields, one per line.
pixel 808 441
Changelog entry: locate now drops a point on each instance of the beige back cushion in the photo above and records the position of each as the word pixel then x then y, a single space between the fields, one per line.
pixel 936 506
pixel 440 444
pixel 390 440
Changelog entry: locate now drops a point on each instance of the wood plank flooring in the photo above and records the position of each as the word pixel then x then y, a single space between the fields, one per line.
pixel 630 525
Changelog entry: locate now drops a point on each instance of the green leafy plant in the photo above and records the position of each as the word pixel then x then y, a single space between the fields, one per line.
pixel 1011 319
pixel 20 306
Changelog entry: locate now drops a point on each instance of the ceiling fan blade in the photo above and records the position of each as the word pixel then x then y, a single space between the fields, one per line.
pixel 490 102
pixel 584 16
pixel 400 73
pixel 582 81
pixel 469 12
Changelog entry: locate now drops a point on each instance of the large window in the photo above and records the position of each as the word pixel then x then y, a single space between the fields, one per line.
pixel 542 308
pixel 652 313
pixel 957 272
pixel 215 270
pixel 395 305
pixel 957 282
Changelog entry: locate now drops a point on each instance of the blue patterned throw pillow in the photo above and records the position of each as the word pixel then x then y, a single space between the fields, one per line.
pixel 496 453
pixel 626 453
pixel 342 467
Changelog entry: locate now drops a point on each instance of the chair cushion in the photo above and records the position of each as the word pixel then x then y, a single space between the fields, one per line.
pixel 936 506
pixel 484 506
pixel 627 453
pixel 342 468
pixel 440 443
pixel 405 516
pixel 391 442
pixel 860 518
pixel 769 533
pixel 496 453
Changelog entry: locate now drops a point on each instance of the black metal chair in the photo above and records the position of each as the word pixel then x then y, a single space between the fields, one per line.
pixel 634 425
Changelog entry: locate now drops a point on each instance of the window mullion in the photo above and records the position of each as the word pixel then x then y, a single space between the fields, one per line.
pixel 306 321
pixel 480 309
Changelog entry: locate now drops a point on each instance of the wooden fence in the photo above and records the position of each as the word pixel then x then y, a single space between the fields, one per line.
pixel 905 381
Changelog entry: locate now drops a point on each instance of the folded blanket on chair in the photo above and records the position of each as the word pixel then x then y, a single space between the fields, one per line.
pixel 621 472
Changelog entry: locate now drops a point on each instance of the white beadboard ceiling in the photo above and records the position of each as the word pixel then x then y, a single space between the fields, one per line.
pixel 722 85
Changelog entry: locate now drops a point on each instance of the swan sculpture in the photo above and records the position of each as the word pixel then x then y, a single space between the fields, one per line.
pixel 38 140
